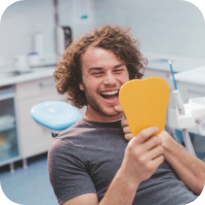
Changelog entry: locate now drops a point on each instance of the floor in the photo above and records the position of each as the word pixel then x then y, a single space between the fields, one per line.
pixel 29 186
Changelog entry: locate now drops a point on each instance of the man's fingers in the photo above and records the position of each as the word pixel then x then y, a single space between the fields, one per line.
pixel 126 130
pixel 146 133
pixel 129 136
pixel 124 123
pixel 118 108
pixel 153 142
pixel 154 153
pixel 156 161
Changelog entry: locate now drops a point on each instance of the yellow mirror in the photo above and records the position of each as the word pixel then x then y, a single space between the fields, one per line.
pixel 145 102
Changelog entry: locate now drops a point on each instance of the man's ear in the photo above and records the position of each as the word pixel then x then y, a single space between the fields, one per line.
pixel 81 86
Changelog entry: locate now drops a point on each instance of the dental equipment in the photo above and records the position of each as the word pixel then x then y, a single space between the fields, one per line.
pixel 188 115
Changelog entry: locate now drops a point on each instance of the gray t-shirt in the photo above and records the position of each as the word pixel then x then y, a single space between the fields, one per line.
pixel 85 158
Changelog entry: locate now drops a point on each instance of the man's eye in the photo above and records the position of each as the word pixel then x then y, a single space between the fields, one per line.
pixel 99 73
pixel 118 71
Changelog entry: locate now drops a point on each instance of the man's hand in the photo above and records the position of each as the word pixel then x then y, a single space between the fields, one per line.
pixel 124 124
pixel 126 130
pixel 128 135
pixel 144 153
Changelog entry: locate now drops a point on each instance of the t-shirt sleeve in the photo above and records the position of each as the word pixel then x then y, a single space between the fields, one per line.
pixel 67 170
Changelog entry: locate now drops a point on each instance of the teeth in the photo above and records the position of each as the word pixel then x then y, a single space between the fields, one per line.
pixel 109 92
pixel 112 99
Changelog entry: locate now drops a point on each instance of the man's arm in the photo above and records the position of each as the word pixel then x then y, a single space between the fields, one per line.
pixel 189 168
pixel 143 155
pixel 120 192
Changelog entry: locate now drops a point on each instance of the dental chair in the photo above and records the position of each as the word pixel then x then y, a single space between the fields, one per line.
pixel 55 116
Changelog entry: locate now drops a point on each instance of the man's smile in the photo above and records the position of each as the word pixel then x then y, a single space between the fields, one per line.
pixel 110 94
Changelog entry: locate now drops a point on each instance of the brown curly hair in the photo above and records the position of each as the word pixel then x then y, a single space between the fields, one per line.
pixel 119 40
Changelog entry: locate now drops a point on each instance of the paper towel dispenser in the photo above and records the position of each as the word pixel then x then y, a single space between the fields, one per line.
pixel 63 38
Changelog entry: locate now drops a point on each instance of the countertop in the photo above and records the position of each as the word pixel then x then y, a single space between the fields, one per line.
pixel 194 76
pixel 156 62
pixel 160 62
pixel 35 74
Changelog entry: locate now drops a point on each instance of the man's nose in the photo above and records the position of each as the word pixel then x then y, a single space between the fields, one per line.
pixel 109 79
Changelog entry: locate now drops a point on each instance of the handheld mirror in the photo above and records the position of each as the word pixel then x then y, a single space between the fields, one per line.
pixel 145 102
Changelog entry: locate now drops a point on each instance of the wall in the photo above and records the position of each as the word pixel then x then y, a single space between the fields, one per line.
pixel 67 17
pixel 172 27
pixel 22 19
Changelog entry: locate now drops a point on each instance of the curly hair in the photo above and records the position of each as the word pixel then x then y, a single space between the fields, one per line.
pixel 68 74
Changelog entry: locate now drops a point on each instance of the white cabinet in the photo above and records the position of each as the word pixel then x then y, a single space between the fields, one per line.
pixel 33 139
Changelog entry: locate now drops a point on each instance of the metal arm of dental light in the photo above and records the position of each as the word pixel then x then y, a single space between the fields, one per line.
pixel 188 115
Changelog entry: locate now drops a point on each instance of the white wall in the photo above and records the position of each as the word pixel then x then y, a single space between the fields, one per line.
pixel 67 17
pixel 22 19
pixel 172 27
pixel 163 26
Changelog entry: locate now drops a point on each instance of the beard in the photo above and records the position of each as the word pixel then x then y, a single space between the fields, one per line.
pixel 95 105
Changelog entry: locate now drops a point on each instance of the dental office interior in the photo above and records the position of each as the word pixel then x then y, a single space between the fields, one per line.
pixel 32 39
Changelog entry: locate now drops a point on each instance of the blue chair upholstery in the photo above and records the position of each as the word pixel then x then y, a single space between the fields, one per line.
pixel 55 115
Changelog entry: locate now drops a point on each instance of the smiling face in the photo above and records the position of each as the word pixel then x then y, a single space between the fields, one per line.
pixel 102 76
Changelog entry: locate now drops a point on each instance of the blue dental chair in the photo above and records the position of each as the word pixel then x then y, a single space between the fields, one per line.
pixel 56 116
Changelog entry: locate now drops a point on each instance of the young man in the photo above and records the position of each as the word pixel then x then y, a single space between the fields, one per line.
pixel 98 161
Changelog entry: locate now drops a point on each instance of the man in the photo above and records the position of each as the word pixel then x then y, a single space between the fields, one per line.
pixel 97 160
